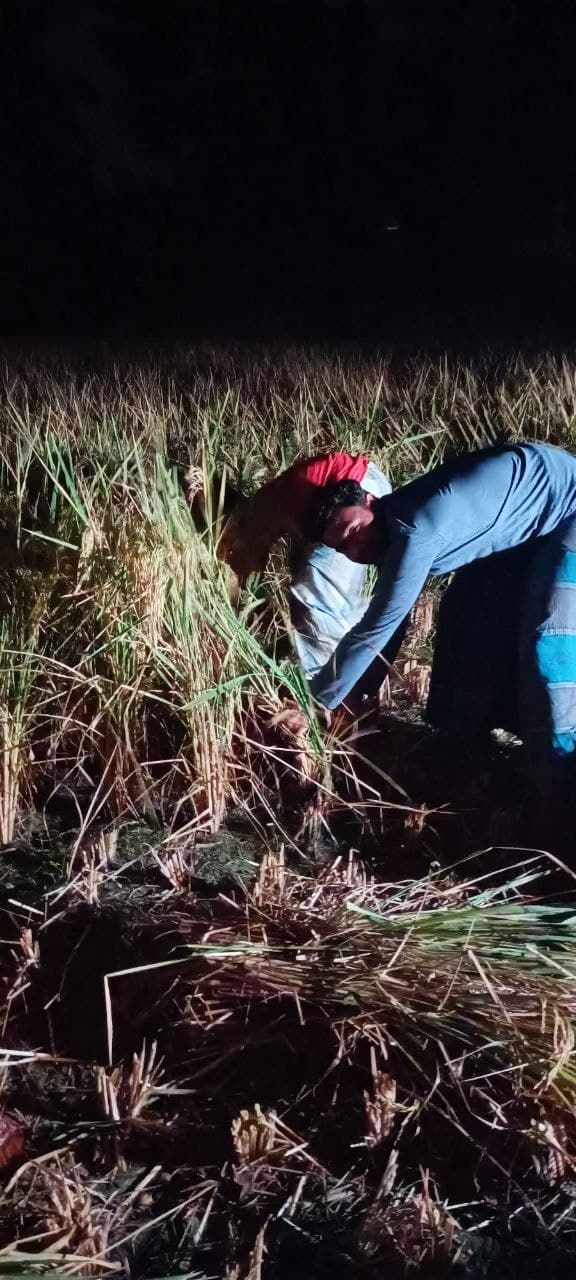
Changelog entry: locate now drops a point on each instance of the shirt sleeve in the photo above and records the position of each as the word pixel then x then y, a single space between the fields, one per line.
pixel 401 576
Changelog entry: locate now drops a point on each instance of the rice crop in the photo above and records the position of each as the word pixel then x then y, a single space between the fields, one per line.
pixel 148 667
pixel 232 1044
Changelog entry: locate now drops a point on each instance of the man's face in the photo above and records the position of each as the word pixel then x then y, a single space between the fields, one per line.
pixel 351 530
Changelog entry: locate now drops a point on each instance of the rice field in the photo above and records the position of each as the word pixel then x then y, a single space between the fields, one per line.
pixel 271 1006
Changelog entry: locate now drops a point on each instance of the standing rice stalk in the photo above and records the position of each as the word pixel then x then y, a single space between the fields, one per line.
pixel 21 702
pixel 163 663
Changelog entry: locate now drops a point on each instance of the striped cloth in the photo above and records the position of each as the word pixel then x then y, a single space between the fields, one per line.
pixel 505 653
pixel 547 666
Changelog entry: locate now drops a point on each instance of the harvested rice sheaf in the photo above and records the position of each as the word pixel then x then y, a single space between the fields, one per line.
pixel 478 987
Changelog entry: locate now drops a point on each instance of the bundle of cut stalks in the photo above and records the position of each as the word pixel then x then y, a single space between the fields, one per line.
pixel 464 983
pixel 282 733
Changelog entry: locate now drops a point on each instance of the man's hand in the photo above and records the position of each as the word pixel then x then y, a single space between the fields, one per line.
pixel 342 722
pixel 292 719
pixel 343 719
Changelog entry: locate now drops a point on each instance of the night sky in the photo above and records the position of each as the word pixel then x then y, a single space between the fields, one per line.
pixel 331 166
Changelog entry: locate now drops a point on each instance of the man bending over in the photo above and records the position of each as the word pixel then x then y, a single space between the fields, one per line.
pixel 327 592
pixel 469 509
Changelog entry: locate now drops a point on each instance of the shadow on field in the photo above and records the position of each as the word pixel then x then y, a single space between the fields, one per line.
pixel 450 801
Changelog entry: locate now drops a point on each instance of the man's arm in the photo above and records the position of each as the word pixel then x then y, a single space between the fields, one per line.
pixel 401 577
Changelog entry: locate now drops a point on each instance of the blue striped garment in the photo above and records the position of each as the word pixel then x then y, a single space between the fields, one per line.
pixel 548 651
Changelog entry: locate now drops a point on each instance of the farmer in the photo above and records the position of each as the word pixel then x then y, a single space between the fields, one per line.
pixel 513 508
pixel 327 591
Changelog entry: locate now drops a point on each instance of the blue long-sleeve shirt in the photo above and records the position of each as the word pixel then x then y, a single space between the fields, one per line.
pixel 464 510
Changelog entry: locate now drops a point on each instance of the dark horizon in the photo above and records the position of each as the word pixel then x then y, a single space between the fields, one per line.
pixel 348 168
